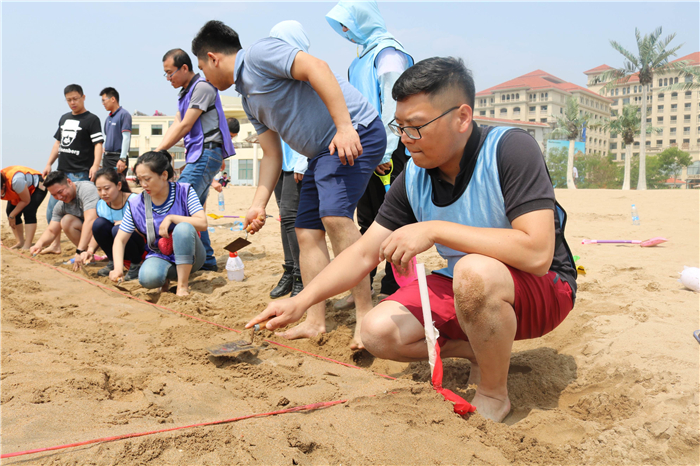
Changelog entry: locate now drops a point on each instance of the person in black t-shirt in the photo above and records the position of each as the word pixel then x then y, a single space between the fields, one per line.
pixel 78 148
pixel 483 197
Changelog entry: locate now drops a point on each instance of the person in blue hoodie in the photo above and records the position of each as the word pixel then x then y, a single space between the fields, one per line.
pixel 374 72
pixel 289 184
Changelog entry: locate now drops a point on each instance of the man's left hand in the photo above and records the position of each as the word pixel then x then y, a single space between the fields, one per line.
pixel 347 142
pixel 12 221
pixel 405 243
pixel 86 257
pixel 383 168
pixel 121 166
pixel 77 262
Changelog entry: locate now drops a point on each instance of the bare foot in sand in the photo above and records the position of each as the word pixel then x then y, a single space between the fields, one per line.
pixel 305 329
pixel 474 375
pixel 16 246
pixel 51 250
pixel 491 408
pixel 356 344
pixel 182 291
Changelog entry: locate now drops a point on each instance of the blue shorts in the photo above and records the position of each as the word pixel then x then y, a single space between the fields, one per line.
pixel 331 189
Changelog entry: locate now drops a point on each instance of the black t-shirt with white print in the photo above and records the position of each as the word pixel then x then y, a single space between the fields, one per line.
pixel 78 135
pixel 524 180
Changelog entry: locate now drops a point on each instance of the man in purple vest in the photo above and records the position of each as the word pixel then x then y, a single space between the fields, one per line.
pixel 201 121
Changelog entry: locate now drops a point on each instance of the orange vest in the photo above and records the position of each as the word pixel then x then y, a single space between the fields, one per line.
pixel 9 173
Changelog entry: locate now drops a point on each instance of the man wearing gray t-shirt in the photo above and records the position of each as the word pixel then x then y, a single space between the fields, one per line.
pixel 200 120
pixel 74 213
pixel 289 94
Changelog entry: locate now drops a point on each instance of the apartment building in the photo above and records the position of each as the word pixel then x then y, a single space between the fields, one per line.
pixel 148 131
pixel 537 97
pixel 677 113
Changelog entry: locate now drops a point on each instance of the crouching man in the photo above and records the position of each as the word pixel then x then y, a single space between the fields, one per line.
pixel 74 213
pixel 483 197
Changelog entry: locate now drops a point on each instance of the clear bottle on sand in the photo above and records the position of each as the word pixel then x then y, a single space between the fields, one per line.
pixel 635 215
pixel 221 202
pixel 234 267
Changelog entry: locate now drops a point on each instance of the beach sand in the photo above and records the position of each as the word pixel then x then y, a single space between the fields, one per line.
pixel 615 383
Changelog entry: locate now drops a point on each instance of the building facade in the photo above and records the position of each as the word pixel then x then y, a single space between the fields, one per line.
pixel 676 113
pixel 538 97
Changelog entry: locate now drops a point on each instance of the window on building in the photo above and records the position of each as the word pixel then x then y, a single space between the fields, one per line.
pixel 626 101
pixel 661 82
pixel 245 169
pixel 613 145
pixel 622 156
pixel 492 99
pixel 686 107
pixel 689 78
pixel 660 119
pixel 660 108
pixel 686 142
pixel 636 143
pixel 694 168
pixel 686 118
pixel 543 120
pixel 532 120
pixel 133 153
pixel 688 94
pixel 543 108
pixel 672 142
pixel 674 107
pixel 492 112
pixel 673 130
pixel 665 81
pixel 660 97
pixel 517 96
pixel 516 110
pixel 659 142
pixel 674 95
pixel 503 98
pixel 156 130
pixel 532 109
pixel 674 118
pixel 649 120
pixel 504 111
pixel 482 113
pixel 508 97
pixel 675 80
pixel 648 143
pixel 134 130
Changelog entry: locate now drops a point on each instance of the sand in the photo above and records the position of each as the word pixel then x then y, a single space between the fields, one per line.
pixel 615 383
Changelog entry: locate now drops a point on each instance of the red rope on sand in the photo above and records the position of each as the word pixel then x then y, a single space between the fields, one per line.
pixel 309 407
pixel 99 285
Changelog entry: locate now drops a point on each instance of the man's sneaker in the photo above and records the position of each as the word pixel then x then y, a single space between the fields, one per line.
pixel 133 272
pixel 210 267
pixel 284 286
pixel 104 271
pixel 298 286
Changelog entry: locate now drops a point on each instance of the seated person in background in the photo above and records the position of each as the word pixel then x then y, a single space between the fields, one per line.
pixel 24 191
pixel 114 193
pixel 224 179
pixel 176 213
pixel 483 197
pixel 74 213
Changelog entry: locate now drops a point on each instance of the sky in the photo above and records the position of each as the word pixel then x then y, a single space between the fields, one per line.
pixel 46 46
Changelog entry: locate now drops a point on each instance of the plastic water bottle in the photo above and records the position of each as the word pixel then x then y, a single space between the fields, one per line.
pixel 635 215
pixel 221 201
pixel 234 267
pixel 211 229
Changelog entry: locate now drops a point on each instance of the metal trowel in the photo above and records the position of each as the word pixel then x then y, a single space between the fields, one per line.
pixel 232 347
pixel 238 243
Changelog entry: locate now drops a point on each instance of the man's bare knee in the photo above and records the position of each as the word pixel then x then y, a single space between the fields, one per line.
pixel 472 287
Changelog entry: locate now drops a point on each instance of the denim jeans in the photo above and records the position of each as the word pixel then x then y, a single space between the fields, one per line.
pixel 200 174
pixel 75 176
pixel 104 232
pixel 188 249
pixel 287 196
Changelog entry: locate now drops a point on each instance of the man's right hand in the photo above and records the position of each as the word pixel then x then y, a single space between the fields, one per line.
pixel 34 250
pixel 347 142
pixel 285 312
pixel 121 166
pixel 46 171
pixel 254 219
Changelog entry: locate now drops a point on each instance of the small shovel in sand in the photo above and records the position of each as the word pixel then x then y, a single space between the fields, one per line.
pixel 233 347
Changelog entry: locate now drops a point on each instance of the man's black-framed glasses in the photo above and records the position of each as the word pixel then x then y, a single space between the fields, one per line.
pixel 169 76
pixel 413 132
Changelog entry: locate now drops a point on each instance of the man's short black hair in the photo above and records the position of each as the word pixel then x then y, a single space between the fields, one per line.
pixel 434 76
pixel 234 127
pixel 215 37
pixel 180 57
pixel 55 177
pixel 110 92
pixel 73 88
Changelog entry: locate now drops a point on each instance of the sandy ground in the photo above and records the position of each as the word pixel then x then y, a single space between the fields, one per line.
pixel 616 383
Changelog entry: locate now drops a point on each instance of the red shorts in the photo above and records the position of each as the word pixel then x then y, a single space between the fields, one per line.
pixel 541 304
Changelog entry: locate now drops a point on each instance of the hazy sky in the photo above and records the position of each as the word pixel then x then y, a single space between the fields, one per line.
pixel 46 46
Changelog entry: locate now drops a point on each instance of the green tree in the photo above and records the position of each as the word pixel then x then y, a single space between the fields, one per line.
pixel 655 178
pixel 672 161
pixel 627 125
pixel 556 164
pixel 652 57
pixel 598 171
pixel 569 127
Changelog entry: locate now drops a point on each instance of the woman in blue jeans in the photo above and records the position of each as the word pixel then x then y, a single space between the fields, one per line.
pixel 168 215
pixel 114 193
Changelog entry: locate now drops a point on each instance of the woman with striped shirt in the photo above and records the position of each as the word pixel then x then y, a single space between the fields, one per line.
pixel 173 214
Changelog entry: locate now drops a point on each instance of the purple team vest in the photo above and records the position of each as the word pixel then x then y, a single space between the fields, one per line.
pixel 194 140
pixel 138 214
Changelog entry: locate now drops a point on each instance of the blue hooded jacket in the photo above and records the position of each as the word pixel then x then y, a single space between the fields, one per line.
pixel 292 32
pixel 366 27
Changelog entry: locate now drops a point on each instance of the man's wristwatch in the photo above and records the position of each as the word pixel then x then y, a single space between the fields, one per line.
pixel 11 217
pixel 79 251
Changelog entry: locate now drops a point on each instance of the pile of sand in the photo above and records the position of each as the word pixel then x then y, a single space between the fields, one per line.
pixel 617 382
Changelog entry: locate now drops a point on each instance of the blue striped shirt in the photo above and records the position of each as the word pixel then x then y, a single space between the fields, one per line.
pixel 193 205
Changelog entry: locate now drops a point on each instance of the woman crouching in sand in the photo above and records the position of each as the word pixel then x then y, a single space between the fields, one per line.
pixel 168 215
